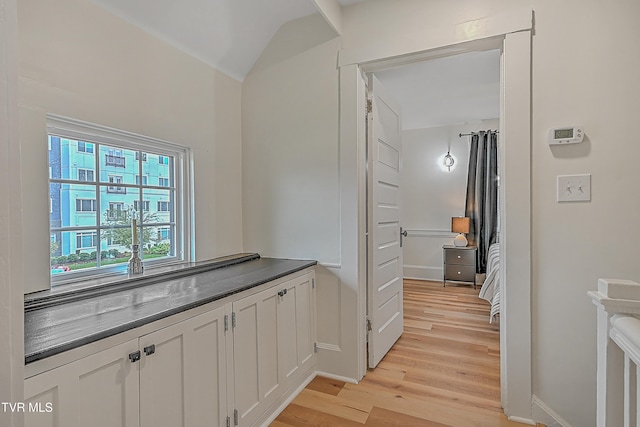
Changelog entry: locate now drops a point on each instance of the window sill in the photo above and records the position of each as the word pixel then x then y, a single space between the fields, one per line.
pixel 116 282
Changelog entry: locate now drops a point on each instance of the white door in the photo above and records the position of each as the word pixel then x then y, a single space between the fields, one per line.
pixel 384 278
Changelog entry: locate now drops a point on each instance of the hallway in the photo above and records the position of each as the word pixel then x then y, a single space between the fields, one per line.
pixel 444 371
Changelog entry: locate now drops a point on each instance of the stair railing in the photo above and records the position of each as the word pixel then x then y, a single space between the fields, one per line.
pixel 618 346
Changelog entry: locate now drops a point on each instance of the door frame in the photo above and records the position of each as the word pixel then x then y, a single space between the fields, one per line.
pixel 511 32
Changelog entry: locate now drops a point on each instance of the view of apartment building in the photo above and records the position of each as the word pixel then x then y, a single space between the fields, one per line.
pixel 96 191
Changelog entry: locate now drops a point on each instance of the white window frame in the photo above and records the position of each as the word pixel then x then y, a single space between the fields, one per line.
pixel 93 147
pixel 94 206
pixel 94 239
pixel 69 128
pixel 86 173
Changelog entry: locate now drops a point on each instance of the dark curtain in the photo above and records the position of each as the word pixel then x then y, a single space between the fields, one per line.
pixel 482 194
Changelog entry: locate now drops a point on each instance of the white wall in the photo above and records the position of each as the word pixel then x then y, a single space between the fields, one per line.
pixel 583 74
pixel 80 61
pixel 431 195
pixel 11 257
pixel 291 180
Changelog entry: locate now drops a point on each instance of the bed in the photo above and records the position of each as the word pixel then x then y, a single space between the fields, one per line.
pixel 490 290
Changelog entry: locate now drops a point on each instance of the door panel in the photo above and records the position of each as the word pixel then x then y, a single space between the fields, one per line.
pixel 99 390
pixel 384 281
pixel 183 378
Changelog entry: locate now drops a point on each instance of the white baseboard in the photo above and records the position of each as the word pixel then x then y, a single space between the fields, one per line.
pixel 421 272
pixel 292 394
pixel 288 398
pixel 336 377
pixel 522 420
pixel 546 415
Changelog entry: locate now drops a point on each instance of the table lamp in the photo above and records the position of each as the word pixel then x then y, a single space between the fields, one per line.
pixel 460 225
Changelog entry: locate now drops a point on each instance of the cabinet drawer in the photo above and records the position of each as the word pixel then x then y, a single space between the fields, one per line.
pixel 464 273
pixel 460 256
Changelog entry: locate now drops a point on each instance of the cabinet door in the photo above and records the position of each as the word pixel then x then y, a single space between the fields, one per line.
pixel 255 347
pixel 183 374
pixel 305 322
pixel 295 328
pixel 100 390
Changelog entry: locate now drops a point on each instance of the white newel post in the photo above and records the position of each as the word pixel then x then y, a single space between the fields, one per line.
pixel 613 297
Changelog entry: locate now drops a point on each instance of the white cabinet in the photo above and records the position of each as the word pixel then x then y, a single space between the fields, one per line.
pixel 175 376
pixel 230 365
pixel 273 343
pixel 98 390
pixel 183 374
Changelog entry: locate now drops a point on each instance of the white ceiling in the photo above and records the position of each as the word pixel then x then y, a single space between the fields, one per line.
pixel 445 91
pixel 229 35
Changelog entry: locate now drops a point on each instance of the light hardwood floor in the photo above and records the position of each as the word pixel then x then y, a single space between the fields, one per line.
pixel 444 371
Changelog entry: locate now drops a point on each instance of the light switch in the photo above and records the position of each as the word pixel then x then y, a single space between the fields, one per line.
pixel 574 188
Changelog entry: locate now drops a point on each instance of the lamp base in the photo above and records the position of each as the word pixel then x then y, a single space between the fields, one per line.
pixel 460 240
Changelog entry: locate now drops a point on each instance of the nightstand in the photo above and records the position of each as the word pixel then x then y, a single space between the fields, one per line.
pixel 459 264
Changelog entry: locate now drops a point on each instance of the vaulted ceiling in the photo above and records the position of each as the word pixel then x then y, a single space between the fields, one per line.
pixel 230 35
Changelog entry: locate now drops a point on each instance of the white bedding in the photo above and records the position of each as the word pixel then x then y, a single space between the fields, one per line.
pixel 490 290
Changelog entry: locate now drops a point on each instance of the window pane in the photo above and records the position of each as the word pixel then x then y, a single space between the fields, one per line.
pixel 73 250
pixel 158 242
pixel 73 205
pixel 161 206
pixel 116 161
pixel 116 207
pixel 55 205
pixel 67 157
pixel 159 171
pixel 115 246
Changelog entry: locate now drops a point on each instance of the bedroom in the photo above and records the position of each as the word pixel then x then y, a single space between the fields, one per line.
pixel 444 102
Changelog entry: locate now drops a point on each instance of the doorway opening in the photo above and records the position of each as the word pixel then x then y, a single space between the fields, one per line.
pixel 431 107
pixel 515 135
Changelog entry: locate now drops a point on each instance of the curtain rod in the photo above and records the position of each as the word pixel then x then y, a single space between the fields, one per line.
pixel 475 133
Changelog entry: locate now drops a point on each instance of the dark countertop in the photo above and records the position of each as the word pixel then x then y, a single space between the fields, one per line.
pixel 58 327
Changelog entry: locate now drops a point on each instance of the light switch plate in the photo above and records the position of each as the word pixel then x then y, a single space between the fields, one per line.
pixel 574 188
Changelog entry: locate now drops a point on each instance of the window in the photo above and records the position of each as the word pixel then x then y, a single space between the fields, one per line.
pixel 163 233
pixel 116 210
pixel 85 205
pixel 145 205
pixel 86 240
pixel 85 147
pixel 116 189
pixel 91 212
pixel 85 175
pixel 114 157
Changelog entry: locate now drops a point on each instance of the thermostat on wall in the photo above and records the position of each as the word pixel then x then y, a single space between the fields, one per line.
pixel 566 135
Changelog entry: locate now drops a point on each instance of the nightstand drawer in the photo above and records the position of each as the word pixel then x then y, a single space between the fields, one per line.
pixel 460 256
pixel 464 273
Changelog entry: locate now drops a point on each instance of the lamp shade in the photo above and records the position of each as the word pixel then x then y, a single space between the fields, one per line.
pixel 460 224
